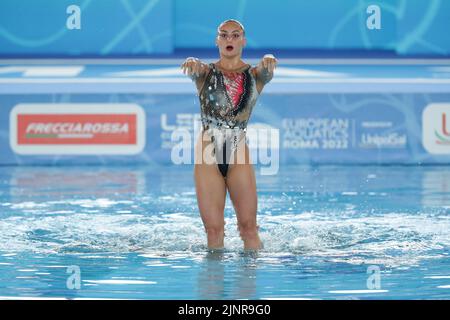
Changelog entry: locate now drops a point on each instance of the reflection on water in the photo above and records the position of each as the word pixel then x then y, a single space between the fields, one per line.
pixel 60 182
pixel 213 283
pixel 211 279
pixel 436 188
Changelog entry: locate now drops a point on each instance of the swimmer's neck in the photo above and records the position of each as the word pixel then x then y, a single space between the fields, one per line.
pixel 230 63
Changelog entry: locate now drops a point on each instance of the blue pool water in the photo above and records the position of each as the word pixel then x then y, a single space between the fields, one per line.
pixel 330 232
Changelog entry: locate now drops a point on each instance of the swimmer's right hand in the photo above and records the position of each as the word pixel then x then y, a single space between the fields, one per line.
pixel 193 67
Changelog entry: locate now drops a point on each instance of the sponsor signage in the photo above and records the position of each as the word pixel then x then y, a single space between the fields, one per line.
pixel 436 128
pixel 77 128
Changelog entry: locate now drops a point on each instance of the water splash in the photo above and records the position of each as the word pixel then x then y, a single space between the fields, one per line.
pixel 389 239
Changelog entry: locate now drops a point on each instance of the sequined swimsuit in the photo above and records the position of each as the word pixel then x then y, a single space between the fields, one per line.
pixel 226 105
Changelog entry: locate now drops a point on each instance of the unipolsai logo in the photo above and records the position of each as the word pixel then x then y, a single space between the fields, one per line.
pixel 443 136
pixel 436 128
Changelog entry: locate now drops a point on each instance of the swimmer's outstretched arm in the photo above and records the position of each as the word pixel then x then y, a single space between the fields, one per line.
pixel 264 69
pixel 194 68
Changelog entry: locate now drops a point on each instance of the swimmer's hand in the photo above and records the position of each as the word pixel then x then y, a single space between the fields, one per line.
pixel 268 62
pixel 264 70
pixel 193 67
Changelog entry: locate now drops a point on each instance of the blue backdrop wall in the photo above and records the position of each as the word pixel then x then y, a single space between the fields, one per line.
pixel 148 27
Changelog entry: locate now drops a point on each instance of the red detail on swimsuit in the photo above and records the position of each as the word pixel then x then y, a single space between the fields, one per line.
pixel 234 86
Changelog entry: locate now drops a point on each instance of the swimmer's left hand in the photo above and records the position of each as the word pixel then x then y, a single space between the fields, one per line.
pixel 269 62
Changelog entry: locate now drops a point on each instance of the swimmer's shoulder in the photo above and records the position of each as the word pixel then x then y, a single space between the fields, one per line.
pixel 261 77
pixel 201 78
pixel 253 71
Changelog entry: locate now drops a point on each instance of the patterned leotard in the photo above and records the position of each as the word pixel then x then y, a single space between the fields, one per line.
pixel 227 102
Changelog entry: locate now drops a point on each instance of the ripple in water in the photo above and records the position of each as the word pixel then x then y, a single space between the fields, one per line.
pixel 390 239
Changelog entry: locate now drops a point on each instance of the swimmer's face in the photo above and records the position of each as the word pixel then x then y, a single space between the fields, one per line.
pixel 230 39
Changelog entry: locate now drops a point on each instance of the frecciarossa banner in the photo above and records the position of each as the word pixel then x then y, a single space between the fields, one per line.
pixel 77 129
pixel 163 129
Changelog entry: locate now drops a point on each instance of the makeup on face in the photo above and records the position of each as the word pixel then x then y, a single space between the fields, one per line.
pixel 233 36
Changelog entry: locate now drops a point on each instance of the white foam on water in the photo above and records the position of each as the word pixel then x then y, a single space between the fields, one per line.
pixel 27 270
pixel 30 298
pixel 286 298
pixel 358 291
pixel 52 298
pixel 393 239
pixel 121 282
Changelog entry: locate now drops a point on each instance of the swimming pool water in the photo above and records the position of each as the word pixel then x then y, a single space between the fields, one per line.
pixel 329 232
